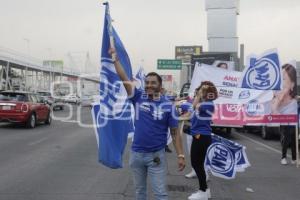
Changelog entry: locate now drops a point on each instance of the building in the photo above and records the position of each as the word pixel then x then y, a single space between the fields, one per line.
pixel 222 25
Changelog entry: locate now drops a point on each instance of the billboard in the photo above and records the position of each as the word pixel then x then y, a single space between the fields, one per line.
pixel 185 52
pixel 222 60
pixel 243 106
pixel 56 65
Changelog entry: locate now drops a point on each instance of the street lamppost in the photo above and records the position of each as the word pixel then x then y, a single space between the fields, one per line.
pixel 28 42
pixel 142 62
pixel 50 53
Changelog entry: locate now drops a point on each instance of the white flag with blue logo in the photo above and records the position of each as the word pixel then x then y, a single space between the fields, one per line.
pixel 224 158
pixel 140 79
pixel 112 117
pixel 262 72
pixel 140 85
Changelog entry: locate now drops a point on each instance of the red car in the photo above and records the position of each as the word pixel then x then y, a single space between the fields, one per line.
pixel 23 107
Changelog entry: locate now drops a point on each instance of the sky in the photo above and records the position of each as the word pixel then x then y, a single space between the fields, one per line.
pixel 149 29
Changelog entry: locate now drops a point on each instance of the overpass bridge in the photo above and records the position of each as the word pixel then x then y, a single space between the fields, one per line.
pixel 22 72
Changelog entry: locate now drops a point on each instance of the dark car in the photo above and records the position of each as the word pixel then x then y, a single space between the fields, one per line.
pixel 56 103
pixel 46 96
pixel 23 108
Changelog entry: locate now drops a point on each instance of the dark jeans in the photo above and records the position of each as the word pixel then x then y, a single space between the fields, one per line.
pixel 288 134
pixel 198 153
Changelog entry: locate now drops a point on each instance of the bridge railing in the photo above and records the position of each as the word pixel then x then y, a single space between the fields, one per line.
pixel 13 56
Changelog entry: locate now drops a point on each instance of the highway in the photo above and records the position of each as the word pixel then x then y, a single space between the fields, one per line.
pixel 59 162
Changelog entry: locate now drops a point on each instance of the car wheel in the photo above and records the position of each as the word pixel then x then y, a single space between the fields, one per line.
pixel 228 131
pixel 31 122
pixel 265 134
pixel 49 119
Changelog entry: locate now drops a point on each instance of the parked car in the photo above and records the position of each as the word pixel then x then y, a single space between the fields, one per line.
pixel 23 108
pixel 96 99
pixel 266 132
pixel 72 98
pixel 56 103
pixel 46 96
pixel 86 100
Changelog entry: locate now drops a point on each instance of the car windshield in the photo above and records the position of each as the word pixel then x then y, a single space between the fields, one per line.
pixel 13 97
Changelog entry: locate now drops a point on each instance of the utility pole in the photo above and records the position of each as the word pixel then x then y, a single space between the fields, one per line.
pixel 28 42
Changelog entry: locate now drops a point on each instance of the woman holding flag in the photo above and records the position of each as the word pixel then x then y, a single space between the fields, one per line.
pixel 201 131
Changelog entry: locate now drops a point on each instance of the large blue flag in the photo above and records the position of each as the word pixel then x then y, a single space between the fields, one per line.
pixel 263 72
pixel 224 158
pixel 112 116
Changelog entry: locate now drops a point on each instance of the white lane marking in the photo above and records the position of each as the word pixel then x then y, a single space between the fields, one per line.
pixel 261 144
pixel 38 141
pixel 69 121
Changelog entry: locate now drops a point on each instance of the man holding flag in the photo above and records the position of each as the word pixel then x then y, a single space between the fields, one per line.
pixel 109 113
pixel 154 115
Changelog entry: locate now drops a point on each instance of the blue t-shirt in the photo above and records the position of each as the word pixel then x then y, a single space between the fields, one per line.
pixel 201 119
pixel 152 120
pixel 186 107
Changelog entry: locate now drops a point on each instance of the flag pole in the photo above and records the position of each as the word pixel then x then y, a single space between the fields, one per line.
pixel 110 29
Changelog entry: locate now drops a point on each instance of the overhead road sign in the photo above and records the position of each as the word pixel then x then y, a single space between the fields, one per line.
pixel 168 64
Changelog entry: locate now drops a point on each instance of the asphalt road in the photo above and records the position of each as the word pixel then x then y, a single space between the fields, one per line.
pixel 59 162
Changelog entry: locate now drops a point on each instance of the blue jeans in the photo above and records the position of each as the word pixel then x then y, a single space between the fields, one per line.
pixel 142 164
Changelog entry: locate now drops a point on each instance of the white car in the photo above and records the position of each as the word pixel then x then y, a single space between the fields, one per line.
pixel 86 100
pixel 72 98
pixel 96 98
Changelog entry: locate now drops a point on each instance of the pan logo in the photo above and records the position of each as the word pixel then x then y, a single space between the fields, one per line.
pixel 254 108
pixel 244 94
pixel 263 75
pixel 221 159
pixel 145 107
pixel 158 114
pixel 114 103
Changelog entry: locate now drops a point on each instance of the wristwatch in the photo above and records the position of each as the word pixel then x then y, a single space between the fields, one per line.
pixel 180 156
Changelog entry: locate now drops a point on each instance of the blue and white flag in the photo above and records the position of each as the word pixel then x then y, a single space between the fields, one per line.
pixel 140 78
pixel 224 158
pixel 140 85
pixel 112 117
pixel 262 72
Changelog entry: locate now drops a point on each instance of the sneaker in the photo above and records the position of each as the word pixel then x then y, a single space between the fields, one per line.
pixel 199 195
pixel 293 162
pixel 283 161
pixel 193 194
pixel 208 193
pixel 192 174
